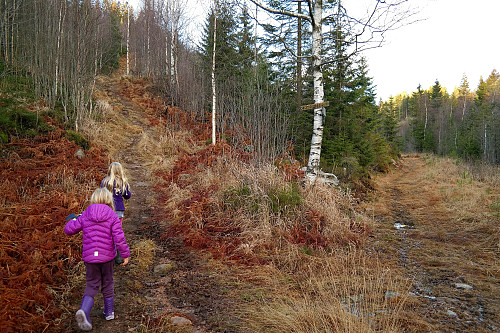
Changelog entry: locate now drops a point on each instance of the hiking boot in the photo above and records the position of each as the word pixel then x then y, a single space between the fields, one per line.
pixel 108 308
pixel 83 315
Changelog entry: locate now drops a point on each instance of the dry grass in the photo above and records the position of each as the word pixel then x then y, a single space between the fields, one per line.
pixel 469 193
pixel 319 277
pixel 344 291
pixel 106 129
pixel 143 252
pixel 330 285
pixel 63 295
pixel 456 234
pixel 160 149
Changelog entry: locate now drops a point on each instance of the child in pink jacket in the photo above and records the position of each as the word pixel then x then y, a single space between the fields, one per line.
pixel 102 235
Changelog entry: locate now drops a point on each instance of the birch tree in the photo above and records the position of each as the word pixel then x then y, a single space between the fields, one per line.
pixel 365 32
pixel 214 91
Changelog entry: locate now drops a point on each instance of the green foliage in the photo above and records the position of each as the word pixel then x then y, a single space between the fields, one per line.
pixel 15 119
pixel 112 51
pixel 307 250
pixel 20 122
pixel 284 200
pixel 78 139
pixel 464 124
pixel 357 138
pixel 57 113
pixel 241 198
pixel 17 91
pixel 16 86
pixel 495 207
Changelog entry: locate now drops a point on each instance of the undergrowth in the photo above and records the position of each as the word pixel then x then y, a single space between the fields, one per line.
pixel 42 182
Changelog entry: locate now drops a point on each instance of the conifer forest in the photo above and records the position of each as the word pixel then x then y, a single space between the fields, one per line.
pixel 263 73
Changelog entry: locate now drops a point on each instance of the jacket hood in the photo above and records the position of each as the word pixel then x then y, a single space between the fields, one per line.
pixel 99 213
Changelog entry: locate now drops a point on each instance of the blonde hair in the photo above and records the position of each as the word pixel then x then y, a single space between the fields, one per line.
pixel 102 196
pixel 116 179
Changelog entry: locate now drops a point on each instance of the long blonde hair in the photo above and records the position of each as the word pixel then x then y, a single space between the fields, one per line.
pixel 102 196
pixel 116 179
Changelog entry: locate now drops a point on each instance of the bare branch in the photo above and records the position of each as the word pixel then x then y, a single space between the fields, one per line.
pixel 281 39
pixel 282 12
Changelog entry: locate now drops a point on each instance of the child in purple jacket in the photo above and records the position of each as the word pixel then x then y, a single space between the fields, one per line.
pixel 117 183
pixel 102 235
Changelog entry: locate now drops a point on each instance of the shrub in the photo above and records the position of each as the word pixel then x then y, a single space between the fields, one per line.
pixel 284 200
pixel 241 197
pixel 78 139
pixel 20 122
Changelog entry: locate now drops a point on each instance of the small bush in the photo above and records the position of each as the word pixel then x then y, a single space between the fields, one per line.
pixel 284 200
pixel 78 139
pixel 57 114
pixel 4 137
pixel 239 197
pixel 20 122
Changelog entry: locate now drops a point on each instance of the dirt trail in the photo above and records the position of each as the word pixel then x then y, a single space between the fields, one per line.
pixel 149 298
pixel 453 288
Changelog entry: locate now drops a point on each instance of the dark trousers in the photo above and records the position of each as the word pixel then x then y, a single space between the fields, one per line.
pixel 99 275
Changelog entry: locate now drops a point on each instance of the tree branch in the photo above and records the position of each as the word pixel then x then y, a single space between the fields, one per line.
pixel 282 12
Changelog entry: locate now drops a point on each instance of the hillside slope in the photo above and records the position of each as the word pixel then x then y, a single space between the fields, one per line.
pixel 134 133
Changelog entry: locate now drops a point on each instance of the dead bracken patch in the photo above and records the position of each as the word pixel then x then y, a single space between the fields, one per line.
pixel 42 182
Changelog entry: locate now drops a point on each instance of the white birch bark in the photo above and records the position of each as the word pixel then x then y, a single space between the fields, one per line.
pixel 319 113
pixel 128 39
pixel 214 93
pixel 382 19
pixel 58 47
pixel 426 118
pixel 316 19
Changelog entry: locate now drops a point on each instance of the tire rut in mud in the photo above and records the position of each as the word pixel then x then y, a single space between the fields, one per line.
pixel 419 247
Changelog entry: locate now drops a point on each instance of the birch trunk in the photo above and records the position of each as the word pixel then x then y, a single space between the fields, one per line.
pixel 128 40
pixel 319 113
pixel 214 93
pixel 426 119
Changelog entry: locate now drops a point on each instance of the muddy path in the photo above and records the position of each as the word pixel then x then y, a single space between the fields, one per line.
pixel 165 287
pixel 453 285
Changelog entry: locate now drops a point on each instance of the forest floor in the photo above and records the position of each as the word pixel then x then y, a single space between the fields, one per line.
pixel 433 223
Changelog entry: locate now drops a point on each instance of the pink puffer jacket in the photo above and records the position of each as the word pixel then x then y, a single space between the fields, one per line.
pixel 102 234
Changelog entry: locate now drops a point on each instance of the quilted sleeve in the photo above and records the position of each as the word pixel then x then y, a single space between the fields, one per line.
pixel 74 226
pixel 119 238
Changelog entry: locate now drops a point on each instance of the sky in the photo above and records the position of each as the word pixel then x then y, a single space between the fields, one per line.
pixel 451 38
pixel 457 37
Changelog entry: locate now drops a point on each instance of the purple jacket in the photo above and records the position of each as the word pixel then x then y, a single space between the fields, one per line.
pixel 118 196
pixel 102 234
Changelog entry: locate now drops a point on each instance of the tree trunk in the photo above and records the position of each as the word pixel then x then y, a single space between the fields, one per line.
pixel 426 119
pixel 319 113
pixel 299 54
pixel 128 40
pixel 214 93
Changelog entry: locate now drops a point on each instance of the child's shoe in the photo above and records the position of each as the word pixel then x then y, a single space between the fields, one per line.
pixel 83 315
pixel 108 308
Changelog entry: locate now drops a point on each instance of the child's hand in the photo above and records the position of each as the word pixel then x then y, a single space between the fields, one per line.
pixel 125 261
pixel 71 216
